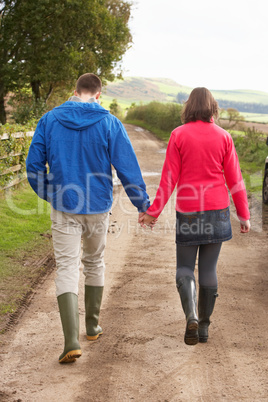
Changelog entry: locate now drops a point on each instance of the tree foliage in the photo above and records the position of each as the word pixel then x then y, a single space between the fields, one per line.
pixel 45 42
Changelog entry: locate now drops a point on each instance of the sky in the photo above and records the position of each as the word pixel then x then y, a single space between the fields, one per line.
pixel 216 44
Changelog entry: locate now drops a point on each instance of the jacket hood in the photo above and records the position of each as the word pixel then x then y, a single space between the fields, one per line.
pixel 79 115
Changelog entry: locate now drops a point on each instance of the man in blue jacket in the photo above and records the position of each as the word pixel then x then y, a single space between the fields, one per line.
pixel 80 140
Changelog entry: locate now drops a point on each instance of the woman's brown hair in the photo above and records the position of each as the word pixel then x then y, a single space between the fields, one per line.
pixel 200 106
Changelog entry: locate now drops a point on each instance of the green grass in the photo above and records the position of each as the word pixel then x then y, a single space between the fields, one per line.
pixel 252 175
pixel 24 218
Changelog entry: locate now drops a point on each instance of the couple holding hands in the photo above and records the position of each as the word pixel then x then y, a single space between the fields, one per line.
pixel 80 140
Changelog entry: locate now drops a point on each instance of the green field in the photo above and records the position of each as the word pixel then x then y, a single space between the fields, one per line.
pixel 242 96
pixel 255 117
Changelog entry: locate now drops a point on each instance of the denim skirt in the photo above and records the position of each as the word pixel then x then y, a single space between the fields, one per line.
pixel 204 227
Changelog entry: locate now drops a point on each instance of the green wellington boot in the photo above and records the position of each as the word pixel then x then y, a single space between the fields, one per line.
pixel 68 305
pixel 93 297
pixel 187 290
pixel 206 302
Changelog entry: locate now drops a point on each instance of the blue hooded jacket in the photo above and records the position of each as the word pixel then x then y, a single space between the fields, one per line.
pixel 80 141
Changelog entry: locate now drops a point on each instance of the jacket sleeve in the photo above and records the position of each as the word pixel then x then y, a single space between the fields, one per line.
pixel 125 162
pixel 235 181
pixel 170 176
pixel 36 162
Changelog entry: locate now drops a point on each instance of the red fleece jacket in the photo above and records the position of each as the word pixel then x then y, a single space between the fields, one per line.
pixel 201 159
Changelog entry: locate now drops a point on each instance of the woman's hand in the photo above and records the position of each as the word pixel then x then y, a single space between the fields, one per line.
pixel 147 220
pixel 244 226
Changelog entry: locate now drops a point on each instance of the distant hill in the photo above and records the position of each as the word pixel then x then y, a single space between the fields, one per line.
pixel 138 89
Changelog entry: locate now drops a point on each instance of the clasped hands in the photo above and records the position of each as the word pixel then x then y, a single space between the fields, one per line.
pixel 147 220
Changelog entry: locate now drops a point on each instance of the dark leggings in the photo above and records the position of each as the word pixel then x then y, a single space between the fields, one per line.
pixel 207 263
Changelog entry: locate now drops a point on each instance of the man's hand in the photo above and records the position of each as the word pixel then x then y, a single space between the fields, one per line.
pixel 244 226
pixel 147 220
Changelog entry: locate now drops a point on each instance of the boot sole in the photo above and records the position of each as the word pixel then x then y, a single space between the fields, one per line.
pixel 203 340
pixel 71 356
pixel 203 333
pixel 94 337
pixel 191 334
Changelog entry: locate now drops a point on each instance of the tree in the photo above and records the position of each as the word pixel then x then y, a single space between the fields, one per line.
pixel 231 119
pixel 234 117
pixel 114 107
pixel 116 110
pixel 44 43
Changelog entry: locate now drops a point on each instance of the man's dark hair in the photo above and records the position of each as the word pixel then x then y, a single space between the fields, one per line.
pixel 88 83
pixel 200 106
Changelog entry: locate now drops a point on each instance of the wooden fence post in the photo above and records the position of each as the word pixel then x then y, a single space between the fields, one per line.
pixel 14 168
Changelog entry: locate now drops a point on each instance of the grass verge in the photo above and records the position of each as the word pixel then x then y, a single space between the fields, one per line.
pixel 25 238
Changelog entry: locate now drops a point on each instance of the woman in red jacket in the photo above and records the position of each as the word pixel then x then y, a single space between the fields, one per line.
pixel 200 160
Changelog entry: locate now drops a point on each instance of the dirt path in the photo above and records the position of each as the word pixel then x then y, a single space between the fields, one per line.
pixel 141 356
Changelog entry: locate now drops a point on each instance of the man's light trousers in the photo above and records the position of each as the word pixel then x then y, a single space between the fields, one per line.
pixel 67 232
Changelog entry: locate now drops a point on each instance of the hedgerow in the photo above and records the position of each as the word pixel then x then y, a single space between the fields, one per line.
pixel 164 116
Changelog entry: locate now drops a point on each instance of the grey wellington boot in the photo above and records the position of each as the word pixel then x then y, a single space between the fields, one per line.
pixel 187 290
pixel 93 298
pixel 206 303
pixel 69 314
